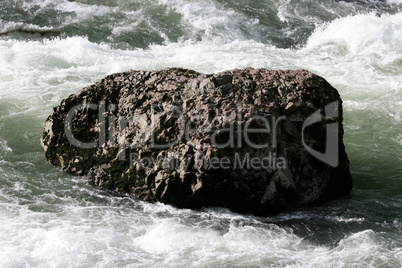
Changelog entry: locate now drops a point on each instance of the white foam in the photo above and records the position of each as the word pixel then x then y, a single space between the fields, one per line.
pixel 399 2
pixel 77 58
pixel 212 20
pixel 80 11
pixel 203 15
pixel 346 219
pixel 362 34
pixel 3 146
pixel 90 231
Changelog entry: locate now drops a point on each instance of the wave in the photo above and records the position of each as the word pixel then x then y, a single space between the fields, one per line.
pixel 361 34
pixel 139 24
pixel 109 235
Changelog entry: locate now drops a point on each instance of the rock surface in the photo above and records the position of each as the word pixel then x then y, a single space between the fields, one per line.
pixel 237 139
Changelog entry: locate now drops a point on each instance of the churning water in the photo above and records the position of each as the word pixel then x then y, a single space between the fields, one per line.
pixel 51 219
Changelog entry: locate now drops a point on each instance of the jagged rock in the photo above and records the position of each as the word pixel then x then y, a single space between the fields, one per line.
pixel 251 140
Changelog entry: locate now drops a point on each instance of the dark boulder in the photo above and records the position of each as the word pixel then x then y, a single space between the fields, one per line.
pixel 253 140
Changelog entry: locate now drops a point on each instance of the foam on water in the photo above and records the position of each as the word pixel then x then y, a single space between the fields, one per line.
pixel 210 19
pixel 399 2
pixel 370 49
pixel 81 11
pixel 113 234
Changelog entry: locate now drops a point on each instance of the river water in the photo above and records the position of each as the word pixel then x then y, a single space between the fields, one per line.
pixel 51 219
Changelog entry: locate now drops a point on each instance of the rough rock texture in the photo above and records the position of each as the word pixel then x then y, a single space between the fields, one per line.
pixel 202 118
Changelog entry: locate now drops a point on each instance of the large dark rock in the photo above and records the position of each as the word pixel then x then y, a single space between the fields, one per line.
pixel 252 140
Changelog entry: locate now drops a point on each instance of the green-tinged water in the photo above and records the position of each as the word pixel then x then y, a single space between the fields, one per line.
pixel 51 219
